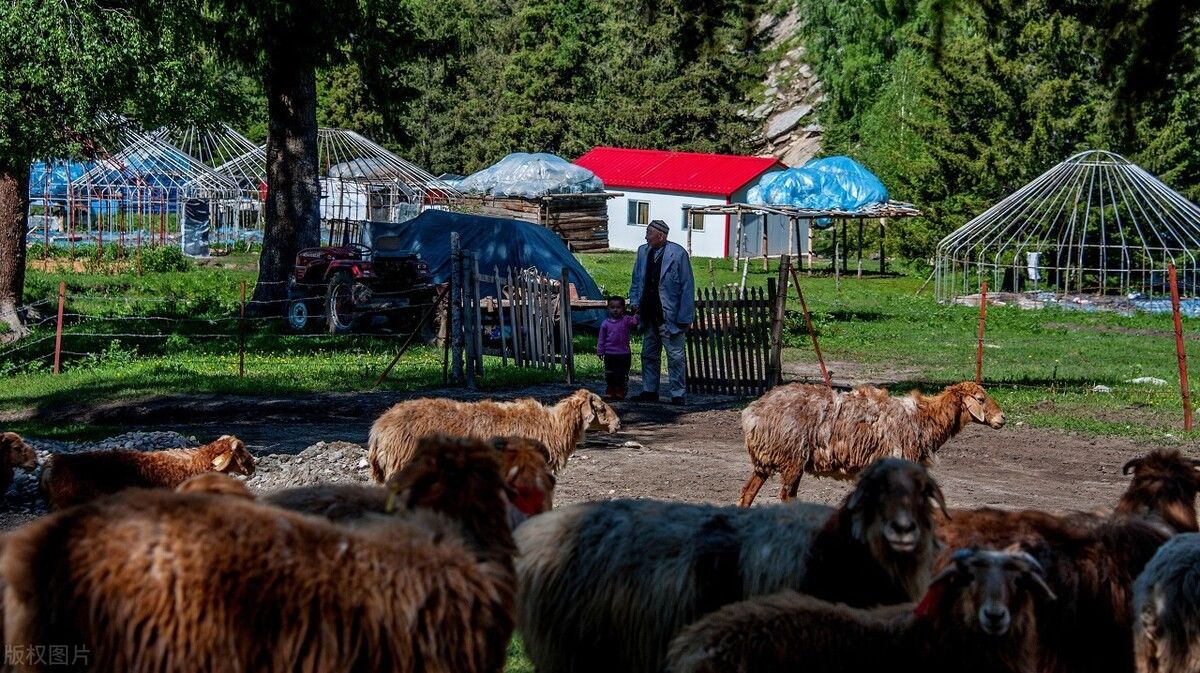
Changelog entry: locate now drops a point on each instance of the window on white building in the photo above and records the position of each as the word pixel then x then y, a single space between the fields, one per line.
pixel 639 213
pixel 697 219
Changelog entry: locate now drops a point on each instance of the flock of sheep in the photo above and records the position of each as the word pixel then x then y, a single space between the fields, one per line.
pixel 162 561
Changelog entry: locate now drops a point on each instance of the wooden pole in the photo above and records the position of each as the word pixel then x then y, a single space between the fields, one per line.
pixel 979 345
pixel 775 368
pixel 882 258
pixel 62 300
pixel 845 248
pixel 687 224
pixel 471 330
pixel 566 349
pixel 811 253
pixel 765 245
pixel 456 309
pixel 737 241
pixel 860 246
pixel 1180 352
pixel 242 335
pixel 712 273
pixel 500 314
pixel 837 277
pixel 477 316
pixel 437 302
pixel 792 238
pixel 811 332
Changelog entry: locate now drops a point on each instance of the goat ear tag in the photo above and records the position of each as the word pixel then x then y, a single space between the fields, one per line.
pixel 975 409
pixel 222 460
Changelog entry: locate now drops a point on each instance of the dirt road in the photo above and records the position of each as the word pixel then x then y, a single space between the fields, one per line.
pixel 691 454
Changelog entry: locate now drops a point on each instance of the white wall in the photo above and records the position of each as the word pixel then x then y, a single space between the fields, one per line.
pixel 668 207
pixel 720 231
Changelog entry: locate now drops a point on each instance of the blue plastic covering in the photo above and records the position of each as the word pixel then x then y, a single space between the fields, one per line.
pixel 51 179
pixel 157 174
pixel 832 183
pixel 499 243
pixel 531 176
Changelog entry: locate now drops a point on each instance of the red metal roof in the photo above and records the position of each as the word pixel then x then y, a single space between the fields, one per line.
pixel 693 172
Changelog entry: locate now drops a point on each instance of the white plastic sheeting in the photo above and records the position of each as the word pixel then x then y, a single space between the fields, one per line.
pixel 531 176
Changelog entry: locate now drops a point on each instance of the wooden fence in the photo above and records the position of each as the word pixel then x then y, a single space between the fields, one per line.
pixel 735 344
pixel 518 315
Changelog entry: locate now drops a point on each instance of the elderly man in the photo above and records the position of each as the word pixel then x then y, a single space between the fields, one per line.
pixel 664 293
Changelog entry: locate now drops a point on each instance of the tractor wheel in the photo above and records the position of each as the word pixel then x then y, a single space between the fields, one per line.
pixel 340 314
pixel 298 314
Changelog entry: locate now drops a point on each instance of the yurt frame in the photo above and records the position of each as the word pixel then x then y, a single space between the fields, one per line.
pixel 1094 224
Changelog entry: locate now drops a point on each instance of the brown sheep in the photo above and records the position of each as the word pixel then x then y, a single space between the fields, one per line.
pixel 605 585
pixel 980 615
pixel 1165 484
pixel 216 483
pixel 73 478
pixel 157 581
pixel 526 465
pixel 14 452
pixel 560 427
pixel 801 428
pixel 1090 562
pixel 522 462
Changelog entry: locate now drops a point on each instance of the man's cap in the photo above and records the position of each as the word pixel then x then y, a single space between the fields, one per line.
pixel 660 225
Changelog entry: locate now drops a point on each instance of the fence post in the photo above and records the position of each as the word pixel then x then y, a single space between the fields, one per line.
pixel 775 368
pixel 500 314
pixel 476 316
pixel 456 316
pixel 811 332
pixel 1180 352
pixel 565 326
pixel 242 335
pixel 62 300
pixel 982 321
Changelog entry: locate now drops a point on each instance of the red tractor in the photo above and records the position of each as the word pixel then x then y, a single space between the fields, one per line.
pixel 354 285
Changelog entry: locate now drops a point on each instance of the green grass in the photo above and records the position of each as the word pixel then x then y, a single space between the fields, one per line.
pixel 1041 366
pixel 518 661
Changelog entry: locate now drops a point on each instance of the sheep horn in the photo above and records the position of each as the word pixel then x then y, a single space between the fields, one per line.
pixel 936 492
pixel 1032 569
pixel 957 560
pixel 1131 465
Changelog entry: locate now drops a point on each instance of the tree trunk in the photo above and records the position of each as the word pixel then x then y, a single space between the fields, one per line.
pixel 14 193
pixel 293 193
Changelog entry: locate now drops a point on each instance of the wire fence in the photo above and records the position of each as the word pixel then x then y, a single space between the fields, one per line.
pixel 82 328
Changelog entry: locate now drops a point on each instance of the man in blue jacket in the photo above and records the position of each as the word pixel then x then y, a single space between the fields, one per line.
pixel 663 292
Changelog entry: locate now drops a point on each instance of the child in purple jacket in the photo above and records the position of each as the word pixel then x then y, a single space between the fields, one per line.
pixel 613 346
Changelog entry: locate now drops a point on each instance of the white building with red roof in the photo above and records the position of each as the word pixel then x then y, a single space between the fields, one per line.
pixel 659 185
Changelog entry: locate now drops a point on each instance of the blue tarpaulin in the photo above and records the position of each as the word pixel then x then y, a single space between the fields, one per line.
pixel 498 243
pixel 832 183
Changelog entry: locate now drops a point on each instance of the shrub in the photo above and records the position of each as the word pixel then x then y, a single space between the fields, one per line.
pixel 163 259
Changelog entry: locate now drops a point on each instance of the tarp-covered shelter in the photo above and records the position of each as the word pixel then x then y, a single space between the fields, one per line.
pixel 499 244
pixel 546 190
